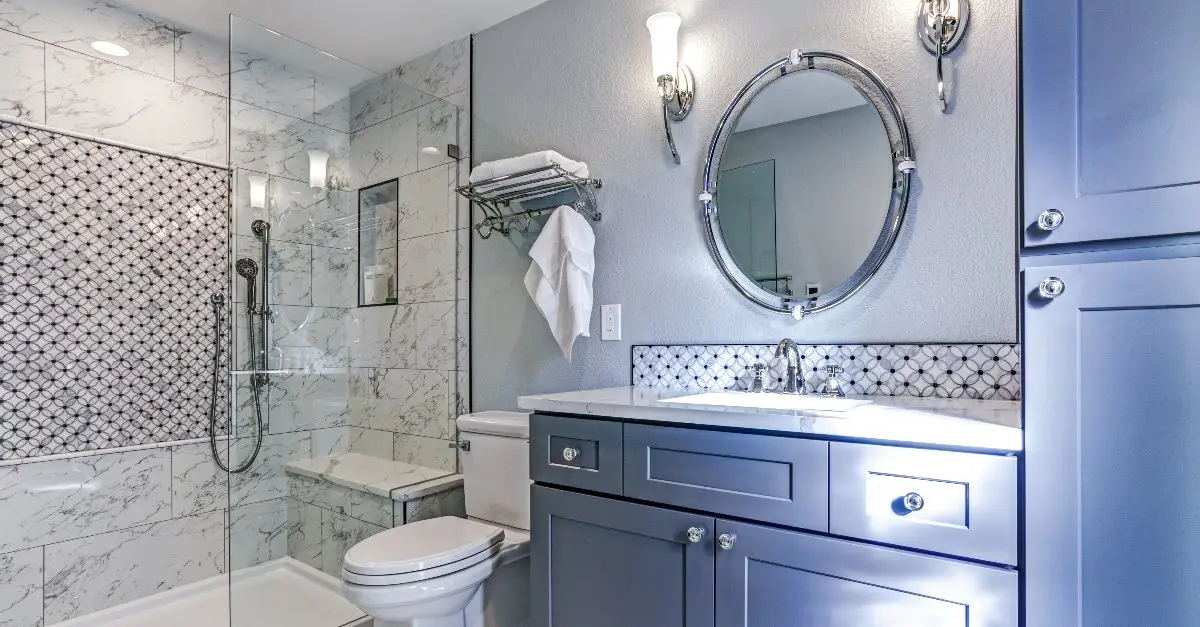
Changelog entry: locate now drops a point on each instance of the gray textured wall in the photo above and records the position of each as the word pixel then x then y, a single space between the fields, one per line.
pixel 574 75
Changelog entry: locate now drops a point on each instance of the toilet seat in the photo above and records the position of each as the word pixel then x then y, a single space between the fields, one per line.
pixel 420 551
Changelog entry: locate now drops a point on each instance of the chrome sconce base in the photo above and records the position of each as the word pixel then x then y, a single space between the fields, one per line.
pixel 678 94
pixel 941 25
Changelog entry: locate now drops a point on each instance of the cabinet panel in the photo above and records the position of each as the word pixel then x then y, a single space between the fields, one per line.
pixel 1112 428
pixel 1110 139
pixel 961 503
pixel 773 479
pixel 776 578
pixel 577 453
pixel 599 562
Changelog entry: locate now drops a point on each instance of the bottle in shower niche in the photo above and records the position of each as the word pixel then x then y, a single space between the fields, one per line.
pixel 379 285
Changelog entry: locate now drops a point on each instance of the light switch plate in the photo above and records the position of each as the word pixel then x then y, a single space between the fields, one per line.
pixel 610 323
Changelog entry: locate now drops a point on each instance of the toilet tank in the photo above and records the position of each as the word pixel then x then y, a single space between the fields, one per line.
pixel 496 469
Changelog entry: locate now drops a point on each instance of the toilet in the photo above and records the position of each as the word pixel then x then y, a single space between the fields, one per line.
pixel 455 572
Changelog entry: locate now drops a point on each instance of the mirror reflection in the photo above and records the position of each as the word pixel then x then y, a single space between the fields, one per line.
pixel 805 184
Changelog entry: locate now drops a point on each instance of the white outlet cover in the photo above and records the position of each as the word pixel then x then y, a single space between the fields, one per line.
pixel 610 323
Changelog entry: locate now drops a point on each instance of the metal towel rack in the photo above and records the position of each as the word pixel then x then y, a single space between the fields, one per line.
pixel 494 195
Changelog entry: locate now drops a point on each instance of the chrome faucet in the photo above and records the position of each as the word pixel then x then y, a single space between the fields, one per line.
pixel 792 384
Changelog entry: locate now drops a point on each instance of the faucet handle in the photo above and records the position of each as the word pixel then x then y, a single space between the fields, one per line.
pixel 834 370
pixel 759 370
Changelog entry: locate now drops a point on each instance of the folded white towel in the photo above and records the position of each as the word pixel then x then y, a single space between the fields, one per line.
pixel 560 278
pixel 504 167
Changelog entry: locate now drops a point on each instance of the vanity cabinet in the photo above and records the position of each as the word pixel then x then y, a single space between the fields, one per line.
pixel 1112 430
pixel 1110 127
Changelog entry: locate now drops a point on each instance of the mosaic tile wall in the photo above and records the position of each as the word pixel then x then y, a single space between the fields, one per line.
pixel 981 371
pixel 108 257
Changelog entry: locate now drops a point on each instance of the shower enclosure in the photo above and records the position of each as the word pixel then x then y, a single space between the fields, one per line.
pixel 199 412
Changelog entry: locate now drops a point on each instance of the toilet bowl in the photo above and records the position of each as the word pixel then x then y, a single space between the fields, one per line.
pixel 457 572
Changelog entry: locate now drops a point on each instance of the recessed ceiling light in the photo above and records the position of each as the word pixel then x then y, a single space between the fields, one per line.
pixel 109 48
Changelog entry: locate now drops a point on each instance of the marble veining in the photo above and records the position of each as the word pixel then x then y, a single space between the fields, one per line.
pixel 198 485
pixel 437 126
pixel 257 533
pixel 304 534
pixel 386 150
pixel 201 62
pixel 447 503
pixel 132 564
pixel 278 144
pixel 290 274
pixel 989 425
pixel 427 452
pixel 21 588
pixel 339 534
pixel 433 486
pixel 54 501
pixel 305 401
pixel 334 277
pixel 443 72
pixel 311 338
pixel 22 78
pixel 360 472
pixel 425 268
pixel 426 202
pixel 266 82
pixel 401 401
pixel 339 499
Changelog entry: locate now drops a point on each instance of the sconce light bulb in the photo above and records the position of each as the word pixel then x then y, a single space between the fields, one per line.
pixel 318 162
pixel 258 192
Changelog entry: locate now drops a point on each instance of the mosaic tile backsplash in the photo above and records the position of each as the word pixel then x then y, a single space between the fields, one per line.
pixel 980 371
pixel 108 257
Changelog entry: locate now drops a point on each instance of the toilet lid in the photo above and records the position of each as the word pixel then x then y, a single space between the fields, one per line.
pixel 420 546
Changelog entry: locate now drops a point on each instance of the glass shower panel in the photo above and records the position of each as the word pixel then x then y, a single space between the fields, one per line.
pixel 309 134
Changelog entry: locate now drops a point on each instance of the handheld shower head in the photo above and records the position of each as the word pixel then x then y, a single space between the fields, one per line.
pixel 247 269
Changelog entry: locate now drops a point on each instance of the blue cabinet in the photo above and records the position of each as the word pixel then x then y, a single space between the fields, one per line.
pixel 774 578
pixel 1112 429
pixel 1111 136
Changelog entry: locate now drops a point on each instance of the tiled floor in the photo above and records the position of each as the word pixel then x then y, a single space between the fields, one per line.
pixel 282 592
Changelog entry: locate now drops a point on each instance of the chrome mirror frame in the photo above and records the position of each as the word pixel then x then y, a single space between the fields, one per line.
pixel 875 91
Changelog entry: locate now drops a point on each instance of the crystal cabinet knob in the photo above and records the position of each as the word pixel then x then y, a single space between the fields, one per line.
pixel 726 541
pixel 1050 220
pixel 1051 287
pixel 695 534
pixel 913 502
pixel 570 454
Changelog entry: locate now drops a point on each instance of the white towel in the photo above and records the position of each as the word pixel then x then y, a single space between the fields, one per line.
pixel 560 278
pixel 504 167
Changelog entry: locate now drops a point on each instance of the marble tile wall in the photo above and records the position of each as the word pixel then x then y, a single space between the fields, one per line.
pixel 167 95
pixel 408 366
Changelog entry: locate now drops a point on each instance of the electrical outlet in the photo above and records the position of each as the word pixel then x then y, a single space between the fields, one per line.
pixel 610 322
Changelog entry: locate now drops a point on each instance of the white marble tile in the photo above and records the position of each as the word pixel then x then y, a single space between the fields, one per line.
pixel 433 486
pixel 304 533
pixel 199 485
pixel 384 337
pixel 448 503
pixel 371 442
pixel 293 205
pixel 332 105
pixel 435 333
pixel 202 62
pixel 352 439
pixel 95 97
pixel 278 144
pixel 386 150
pixel 427 452
pixel 339 534
pixel 132 564
pixel 258 533
pixel 290 274
pixel 22 77
pixel 306 401
pixel 426 203
pixel 425 268
pixel 311 338
pixel 75 24
pixel 271 84
pixel 462 264
pixel 339 499
pixel 437 126
pixel 462 336
pixel 460 398
pixel 403 401
pixel 334 277
pixel 53 501
pixel 335 221
pixel 21 588
pixel 443 72
pixel 363 472
pixel 370 102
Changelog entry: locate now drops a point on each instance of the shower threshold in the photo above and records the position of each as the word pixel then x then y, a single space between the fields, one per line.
pixel 280 592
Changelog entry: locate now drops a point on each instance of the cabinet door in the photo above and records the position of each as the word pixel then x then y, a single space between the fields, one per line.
pixel 599 562
pixel 1111 136
pixel 1112 446
pixel 775 578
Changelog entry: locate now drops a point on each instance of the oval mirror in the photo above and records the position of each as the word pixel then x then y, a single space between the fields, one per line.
pixel 806 183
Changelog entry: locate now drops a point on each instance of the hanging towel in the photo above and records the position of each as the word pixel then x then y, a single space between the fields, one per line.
pixel 560 278
pixel 504 167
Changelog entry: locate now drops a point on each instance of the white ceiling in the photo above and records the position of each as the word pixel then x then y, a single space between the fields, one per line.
pixel 799 96
pixel 377 34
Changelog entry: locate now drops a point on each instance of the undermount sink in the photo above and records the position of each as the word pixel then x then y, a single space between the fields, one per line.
pixel 769 400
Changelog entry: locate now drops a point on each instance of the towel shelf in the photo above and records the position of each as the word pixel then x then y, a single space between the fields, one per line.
pixel 495 195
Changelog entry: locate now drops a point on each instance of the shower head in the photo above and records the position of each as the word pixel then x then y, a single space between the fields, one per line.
pixel 247 269
pixel 260 227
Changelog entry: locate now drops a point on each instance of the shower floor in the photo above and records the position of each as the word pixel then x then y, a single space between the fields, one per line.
pixel 281 593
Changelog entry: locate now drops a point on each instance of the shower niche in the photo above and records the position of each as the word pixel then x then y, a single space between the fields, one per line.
pixel 378 217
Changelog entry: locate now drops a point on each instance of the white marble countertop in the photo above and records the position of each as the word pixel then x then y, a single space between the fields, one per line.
pixel 965 423
pixel 371 474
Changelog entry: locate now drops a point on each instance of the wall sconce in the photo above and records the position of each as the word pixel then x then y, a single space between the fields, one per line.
pixel 676 84
pixel 318 163
pixel 258 192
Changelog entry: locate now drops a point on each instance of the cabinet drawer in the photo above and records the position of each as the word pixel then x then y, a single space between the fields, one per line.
pixel 955 503
pixel 772 479
pixel 584 454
